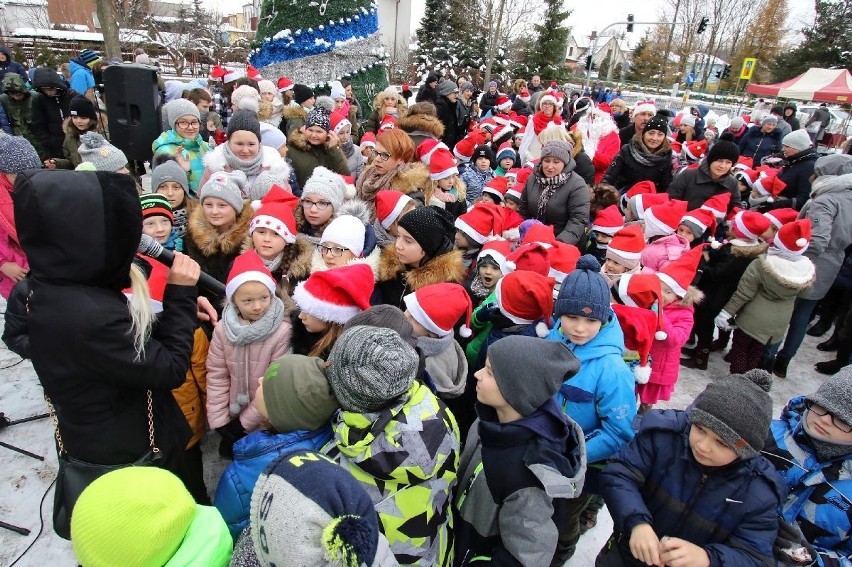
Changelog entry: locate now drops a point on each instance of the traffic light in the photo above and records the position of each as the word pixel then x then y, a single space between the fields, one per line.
pixel 629 23
pixel 702 25
pixel 726 72
pixel 718 74
pixel 589 62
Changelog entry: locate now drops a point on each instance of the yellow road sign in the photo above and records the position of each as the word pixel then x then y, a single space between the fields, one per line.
pixel 748 68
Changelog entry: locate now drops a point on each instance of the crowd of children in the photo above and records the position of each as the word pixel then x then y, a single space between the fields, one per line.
pixel 473 335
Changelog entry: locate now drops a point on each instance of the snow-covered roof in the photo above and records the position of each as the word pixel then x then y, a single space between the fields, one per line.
pixel 25 2
pixel 67 35
pixel 700 58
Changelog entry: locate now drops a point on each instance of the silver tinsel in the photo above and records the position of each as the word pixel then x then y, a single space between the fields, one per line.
pixel 320 69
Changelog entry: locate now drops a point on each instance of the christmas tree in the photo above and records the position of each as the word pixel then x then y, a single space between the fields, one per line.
pixel 314 42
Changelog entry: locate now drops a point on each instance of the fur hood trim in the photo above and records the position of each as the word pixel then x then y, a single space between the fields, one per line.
pixel 372 260
pixel 577 139
pixel 357 208
pixel 294 111
pixel 379 103
pixel 416 178
pixel 830 184
pixel 272 161
pixel 795 274
pixel 423 123
pixel 693 296
pixel 444 268
pixel 745 249
pixel 300 267
pixel 298 141
pixel 210 242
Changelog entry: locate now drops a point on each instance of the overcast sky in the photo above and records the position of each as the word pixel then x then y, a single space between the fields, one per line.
pixel 586 16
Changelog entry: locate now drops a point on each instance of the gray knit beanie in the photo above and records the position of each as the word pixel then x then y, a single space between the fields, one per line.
pixel 798 140
pixel 169 171
pixel 244 120
pixel 738 409
pixel 369 368
pixel 530 370
pixel 385 316
pixel 835 395
pixel 326 184
pixel 558 149
pixel 584 292
pixel 446 87
pixel 178 108
pixel 104 156
pixel 17 154
pixel 225 186
pixel 264 182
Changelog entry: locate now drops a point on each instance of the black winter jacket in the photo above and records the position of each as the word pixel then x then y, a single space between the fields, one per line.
pixel 448 115
pixel 16 333
pixel 624 172
pixel 487 102
pixel 796 173
pixel 49 112
pixel 696 185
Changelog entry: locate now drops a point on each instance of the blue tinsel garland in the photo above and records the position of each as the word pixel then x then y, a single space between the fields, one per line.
pixel 315 41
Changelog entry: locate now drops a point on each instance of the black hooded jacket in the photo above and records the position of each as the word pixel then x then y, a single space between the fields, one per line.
pixel 80 231
pixel 11 66
pixel 49 112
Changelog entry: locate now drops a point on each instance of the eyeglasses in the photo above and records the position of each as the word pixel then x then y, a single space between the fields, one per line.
pixel 333 250
pixel 383 155
pixel 185 124
pixel 836 421
pixel 318 205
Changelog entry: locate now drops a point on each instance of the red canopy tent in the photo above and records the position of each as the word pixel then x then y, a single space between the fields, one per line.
pixel 822 85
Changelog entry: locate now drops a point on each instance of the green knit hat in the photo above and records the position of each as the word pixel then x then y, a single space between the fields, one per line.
pixel 297 393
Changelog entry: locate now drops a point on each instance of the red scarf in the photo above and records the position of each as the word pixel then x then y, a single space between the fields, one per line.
pixel 540 121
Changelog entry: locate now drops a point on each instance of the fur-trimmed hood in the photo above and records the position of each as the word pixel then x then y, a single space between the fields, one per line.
pixel 379 103
pixel 794 274
pixel 577 139
pixel 830 184
pixel 693 296
pixel 294 111
pixel 272 161
pixel 300 266
pixel 737 249
pixel 415 179
pixel 425 123
pixel 443 268
pixel 210 242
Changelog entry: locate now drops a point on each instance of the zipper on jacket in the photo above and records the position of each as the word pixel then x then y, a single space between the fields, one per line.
pixel 691 504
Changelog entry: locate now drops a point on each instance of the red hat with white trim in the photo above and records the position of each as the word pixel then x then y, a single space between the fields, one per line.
pixel 349 189
pixel 368 139
pixel 526 297
pixel 749 224
pixel 678 274
pixel 248 267
pixel 442 164
pixel 338 122
pixel 515 193
pixel 744 162
pixel 645 201
pixel 388 122
pixel 504 103
pixel 217 72
pixel 488 125
pixel 770 187
pixel 643 291
pixel 523 175
pixel 627 244
pixel 608 221
pixel 547 96
pixel 285 84
pixel 498 250
pixel 525 95
pixel 513 173
pixel 497 187
pixel 645 106
pixel 232 75
pixel 482 222
pixel 638 327
pixel 641 188
pixel 780 217
pixel 662 220
pixel 696 149
pixel 532 257
pixel 718 205
pixel 389 205
pixel 438 307
pixel 253 74
pixel 698 221
pixel 464 148
pixel 794 237
pixel 563 260
pixel 677 147
pixel 541 233
pixel 275 212
pixel 427 148
pixel 748 176
pixel 336 295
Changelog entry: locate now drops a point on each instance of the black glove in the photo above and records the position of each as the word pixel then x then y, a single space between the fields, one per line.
pixel 231 433
pixel 788 544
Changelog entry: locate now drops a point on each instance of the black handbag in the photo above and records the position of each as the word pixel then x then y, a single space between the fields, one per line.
pixel 75 475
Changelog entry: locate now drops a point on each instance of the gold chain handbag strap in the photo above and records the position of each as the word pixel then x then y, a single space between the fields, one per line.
pixel 55 421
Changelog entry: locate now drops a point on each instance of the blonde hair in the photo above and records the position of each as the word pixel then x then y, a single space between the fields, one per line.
pixel 458 185
pixel 141 315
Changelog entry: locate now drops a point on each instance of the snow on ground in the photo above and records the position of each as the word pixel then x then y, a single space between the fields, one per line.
pixel 24 480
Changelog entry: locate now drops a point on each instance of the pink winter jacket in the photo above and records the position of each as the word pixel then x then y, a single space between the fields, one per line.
pixel 660 252
pixel 10 251
pixel 665 355
pixel 228 363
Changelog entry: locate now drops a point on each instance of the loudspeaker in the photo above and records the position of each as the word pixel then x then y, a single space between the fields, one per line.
pixel 133 108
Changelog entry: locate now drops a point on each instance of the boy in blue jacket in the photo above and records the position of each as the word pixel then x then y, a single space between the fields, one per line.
pixel 692 488
pixel 600 397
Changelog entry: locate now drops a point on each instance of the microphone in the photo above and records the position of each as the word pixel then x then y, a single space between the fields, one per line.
pixel 153 249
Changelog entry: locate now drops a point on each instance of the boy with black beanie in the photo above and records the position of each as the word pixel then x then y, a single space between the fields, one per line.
pixel 692 486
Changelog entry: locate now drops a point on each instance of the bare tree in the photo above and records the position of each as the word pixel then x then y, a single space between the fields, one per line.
pixel 109 27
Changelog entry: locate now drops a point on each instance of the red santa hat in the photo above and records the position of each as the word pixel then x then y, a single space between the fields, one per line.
pixel 718 205
pixel 744 162
pixel 541 233
pixel 248 267
pixel 641 188
pixel 696 149
pixel 770 187
pixel 388 122
pixel 645 201
pixel 638 326
pixel 232 75
pixel 497 187
pixel 749 224
pixel 438 307
pixel 677 147
pixel 482 222
pixel 516 120
pixel 275 212
pixel 548 96
pixel 515 193
pixel 442 164
pixel 427 148
pixel 498 250
pixel 338 122
pixel 627 243
pixel 645 292
pixel 524 95
pixel 253 74
pixel 748 176
pixel 531 257
pixel 526 297
pixel 702 219
pixel 678 274
pixel 645 106
pixel 368 139
pixel 389 205
pixel 503 103
pixel 563 260
pixel 285 84
pixel 608 221
pixel 488 125
pixel 502 133
pixel 780 217
pixel 513 173
pixel 349 189
pixel 662 220
pixel 794 237
pixel 464 148
pixel 336 295
pixel 216 73
pixel 523 175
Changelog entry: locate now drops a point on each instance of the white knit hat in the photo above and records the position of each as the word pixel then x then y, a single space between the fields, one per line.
pixel 245 97
pixel 348 232
pixel 326 184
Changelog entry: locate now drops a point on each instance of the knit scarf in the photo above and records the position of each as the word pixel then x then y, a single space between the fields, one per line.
pixel 643 156
pixel 549 185
pixel 825 451
pixel 250 167
pixel 478 289
pixel 348 148
pixel 180 221
pixel 540 121
pixel 273 264
pixel 240 333
pixel 371 181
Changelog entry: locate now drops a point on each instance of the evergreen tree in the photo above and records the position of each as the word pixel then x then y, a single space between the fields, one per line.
pixel 451 38
pixel 551 43
pixel 648 57
pixel 828 43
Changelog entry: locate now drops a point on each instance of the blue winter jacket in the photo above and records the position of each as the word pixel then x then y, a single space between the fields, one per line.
pixel 600 397
pixel 820 493
pixel 730 511
pixel 251 455
pixel 82 78
pixel 4 122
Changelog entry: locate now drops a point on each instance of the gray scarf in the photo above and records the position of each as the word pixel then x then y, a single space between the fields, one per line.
pixel 549 185
pixel 643 156
pixel 250 167
pixel 273 264
pixel 825 450
pixel 241 334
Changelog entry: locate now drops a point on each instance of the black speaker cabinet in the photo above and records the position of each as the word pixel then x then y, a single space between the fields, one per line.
pixel 133 108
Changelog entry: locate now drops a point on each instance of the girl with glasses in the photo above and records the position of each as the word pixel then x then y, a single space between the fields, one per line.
pixel 183 141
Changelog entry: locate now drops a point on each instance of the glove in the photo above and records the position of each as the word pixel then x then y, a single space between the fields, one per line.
pixel 723 320
pixel 231 433
pixel 791 549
